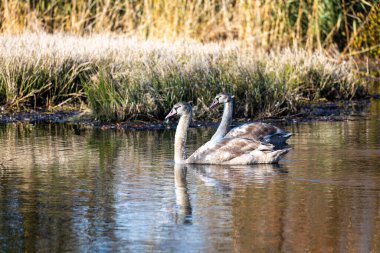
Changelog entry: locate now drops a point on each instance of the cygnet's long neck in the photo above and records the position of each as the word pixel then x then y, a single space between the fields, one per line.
pixel 181 137
pixel 225 124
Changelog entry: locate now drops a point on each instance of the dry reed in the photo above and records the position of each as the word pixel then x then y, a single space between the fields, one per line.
pixel 264 23
pixel 121 77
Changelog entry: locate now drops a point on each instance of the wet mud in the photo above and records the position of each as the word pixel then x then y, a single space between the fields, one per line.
pixel 353 110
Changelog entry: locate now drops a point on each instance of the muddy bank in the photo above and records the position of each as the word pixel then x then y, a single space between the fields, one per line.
pixel 353 110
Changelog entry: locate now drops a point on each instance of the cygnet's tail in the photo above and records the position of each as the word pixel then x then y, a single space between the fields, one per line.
pixel 277 139
pixel 276 155
pixel 286 136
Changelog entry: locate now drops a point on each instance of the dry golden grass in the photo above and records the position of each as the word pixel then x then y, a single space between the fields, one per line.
pixel 264 23
pixel 121 77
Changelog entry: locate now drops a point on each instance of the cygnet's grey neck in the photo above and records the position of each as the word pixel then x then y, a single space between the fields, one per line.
pixel 225 124
pixel 181 137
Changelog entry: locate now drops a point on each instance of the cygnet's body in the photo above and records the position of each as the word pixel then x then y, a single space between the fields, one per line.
pixel 257 131
pixel 220 150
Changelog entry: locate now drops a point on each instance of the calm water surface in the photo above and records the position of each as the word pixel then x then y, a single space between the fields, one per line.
pixel 115 191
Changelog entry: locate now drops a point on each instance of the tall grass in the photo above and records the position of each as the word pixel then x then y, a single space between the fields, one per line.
pixel 264 23
pixel 120 77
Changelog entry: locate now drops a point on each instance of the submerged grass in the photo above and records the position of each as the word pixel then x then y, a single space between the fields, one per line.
pixel 124 78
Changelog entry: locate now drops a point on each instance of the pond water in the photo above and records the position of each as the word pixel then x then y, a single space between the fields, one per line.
pixel 63 190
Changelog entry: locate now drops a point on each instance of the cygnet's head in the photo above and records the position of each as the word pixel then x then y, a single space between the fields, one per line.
pixel 180 108
pixel 221 98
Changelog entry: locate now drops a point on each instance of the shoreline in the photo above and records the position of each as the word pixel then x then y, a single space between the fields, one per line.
pixel 327 111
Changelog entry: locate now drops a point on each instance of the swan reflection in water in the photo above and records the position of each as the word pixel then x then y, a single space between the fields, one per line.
pixel 183 213
pixel 236 176
pixel 224 178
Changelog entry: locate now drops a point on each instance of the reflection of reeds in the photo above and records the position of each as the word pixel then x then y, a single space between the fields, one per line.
pixel 119 76
pixel 264 23
pixel 57 145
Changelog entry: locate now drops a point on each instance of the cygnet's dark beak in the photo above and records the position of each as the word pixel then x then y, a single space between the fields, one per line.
pixel 214 104
pixel 171 114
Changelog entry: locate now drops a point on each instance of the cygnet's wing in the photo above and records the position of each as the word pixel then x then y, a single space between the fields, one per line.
pixel 233 151
pixel 260 131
